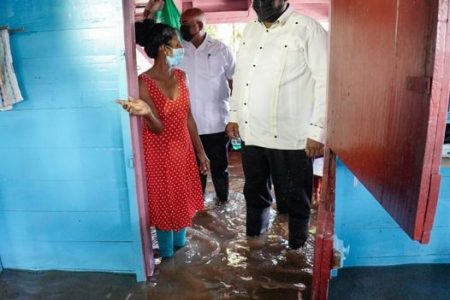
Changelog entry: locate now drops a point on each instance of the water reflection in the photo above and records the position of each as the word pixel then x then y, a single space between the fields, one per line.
pixel 220 262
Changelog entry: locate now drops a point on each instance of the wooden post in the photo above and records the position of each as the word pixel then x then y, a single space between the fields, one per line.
pixel 323 248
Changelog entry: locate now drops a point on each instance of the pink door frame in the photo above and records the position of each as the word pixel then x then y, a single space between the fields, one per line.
pixel 138 155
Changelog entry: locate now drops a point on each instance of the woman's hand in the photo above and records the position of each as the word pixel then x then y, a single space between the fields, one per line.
pixel 203 163
pixel 135 107
pixel 152 7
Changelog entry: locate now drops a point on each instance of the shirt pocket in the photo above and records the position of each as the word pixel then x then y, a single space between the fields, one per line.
pixel 215 65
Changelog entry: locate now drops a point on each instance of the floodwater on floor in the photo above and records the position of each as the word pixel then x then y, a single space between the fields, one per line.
pixel 218 262
pixel 221 262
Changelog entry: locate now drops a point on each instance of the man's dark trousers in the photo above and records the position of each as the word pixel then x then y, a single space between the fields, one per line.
pixel 259 165
pixel 216 148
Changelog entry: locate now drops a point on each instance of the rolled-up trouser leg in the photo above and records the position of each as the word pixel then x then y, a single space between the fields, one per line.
pixel 257 196
pixel 300 186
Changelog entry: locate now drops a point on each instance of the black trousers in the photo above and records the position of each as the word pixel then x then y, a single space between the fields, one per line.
pixel 216 148
pixel 292 176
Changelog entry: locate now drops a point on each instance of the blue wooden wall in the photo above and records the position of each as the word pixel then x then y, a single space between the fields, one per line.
pixel 372 235
pixel 66 193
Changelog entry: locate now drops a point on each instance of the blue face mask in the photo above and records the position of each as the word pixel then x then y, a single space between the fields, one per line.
pixel 176 58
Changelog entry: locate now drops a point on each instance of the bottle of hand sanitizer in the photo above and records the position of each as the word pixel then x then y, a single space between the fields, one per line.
pixel 236 143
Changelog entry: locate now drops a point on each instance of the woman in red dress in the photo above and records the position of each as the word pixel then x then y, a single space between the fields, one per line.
pixel 169 138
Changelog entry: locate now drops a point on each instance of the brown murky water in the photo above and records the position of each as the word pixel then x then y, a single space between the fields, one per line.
pixel 220 262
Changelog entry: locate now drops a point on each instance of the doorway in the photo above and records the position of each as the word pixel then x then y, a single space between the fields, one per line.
pixel 407 78
pixel 254 269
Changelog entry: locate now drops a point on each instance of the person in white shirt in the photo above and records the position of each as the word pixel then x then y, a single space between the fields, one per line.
pixel 209 65
pixel 278 108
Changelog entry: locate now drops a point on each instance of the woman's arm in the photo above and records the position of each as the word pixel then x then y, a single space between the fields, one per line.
pixel 152 119
pixel 201 155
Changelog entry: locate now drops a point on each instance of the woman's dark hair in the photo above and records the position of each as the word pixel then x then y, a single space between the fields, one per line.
pixel 151 36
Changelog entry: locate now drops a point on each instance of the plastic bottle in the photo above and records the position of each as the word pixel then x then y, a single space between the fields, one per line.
pixel 236 143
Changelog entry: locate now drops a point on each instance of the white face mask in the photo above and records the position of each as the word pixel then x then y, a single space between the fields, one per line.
pixel 176 58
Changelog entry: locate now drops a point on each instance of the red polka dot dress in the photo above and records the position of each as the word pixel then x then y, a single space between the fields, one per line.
pixel 173 182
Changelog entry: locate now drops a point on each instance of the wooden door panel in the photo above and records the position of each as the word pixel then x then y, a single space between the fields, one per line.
pixel 382 121
pixel 380 64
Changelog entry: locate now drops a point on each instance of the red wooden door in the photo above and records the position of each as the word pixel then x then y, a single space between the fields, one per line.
pixel 382 120
pixel 388 95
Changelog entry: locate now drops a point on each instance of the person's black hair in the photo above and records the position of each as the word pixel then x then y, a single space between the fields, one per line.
pixel 151 36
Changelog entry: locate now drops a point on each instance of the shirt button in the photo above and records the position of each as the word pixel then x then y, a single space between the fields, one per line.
pixel 245 103
pixel 275 136
pixel 246 84
pixel 260 48
pixel 246 122
pixel 267 30
pixel 254 66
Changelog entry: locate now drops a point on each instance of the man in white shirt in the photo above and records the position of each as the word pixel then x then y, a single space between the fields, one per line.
pixel 278 108
pixel 209 65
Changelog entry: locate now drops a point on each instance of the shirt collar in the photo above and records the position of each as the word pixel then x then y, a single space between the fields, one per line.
pixel 203 45
pixel 283 18
pixel 206 41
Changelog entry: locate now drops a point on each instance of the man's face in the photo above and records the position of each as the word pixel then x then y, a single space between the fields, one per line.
pixel 269 10
pixel 189 27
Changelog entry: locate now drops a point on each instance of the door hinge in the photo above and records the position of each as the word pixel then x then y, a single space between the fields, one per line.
pixel 419 84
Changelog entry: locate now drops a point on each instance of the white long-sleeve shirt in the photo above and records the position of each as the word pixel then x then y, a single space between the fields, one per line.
pixel 279 89
pixel 208 68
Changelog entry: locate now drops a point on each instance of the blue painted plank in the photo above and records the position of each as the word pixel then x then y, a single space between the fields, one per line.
pixel 444 193
pixel 48 83
pixel 442 218
pixel 61 164
pixel 50 71
pixel 368 245
pixel 70 256
pixel 64 226
pixel 374 238
pixel 82 70
pixel 45 15
pixel 66 43
pixel 366 212
pixel 82 195
pixel 445 172
pixel 357 216
pixel 69 128
pixel 396 260
pixel 39 97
